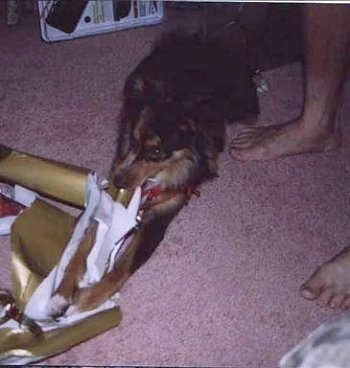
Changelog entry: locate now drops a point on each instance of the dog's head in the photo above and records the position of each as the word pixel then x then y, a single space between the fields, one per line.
pixel 160 145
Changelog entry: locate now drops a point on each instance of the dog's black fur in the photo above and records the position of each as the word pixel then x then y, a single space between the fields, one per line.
pixel 185 80
pixel 176 104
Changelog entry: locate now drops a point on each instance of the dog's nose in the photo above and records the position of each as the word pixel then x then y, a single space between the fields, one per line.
pixel 124 179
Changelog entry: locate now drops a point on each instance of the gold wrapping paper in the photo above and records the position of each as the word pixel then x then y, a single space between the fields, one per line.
pixel 38 238
pixel 21 344
pixel 50 178
pixel 122 196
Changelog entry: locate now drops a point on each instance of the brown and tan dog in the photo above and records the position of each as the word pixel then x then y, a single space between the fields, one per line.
pixel 176 104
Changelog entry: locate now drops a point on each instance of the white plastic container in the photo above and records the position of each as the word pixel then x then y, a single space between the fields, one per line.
pixel 100 16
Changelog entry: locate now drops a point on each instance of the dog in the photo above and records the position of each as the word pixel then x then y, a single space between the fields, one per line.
pixel 176 104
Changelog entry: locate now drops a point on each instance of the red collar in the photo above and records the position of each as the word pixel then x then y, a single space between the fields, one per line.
pixel 152 193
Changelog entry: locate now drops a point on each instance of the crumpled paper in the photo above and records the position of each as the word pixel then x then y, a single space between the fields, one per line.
pixel 114 222
pixel 43 239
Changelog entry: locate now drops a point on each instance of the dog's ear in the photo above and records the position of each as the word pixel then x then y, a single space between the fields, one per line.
pixel 139 86
pixel 140 89
pixel 134 88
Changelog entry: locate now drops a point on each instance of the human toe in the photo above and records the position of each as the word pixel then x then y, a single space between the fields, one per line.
pixel 308 293
pixel 325 297
pixel 346 302
pixel 337 300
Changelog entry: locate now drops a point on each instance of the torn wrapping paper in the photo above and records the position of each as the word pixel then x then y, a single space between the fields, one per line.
pixel 12 203
pixel 50 178
pixel 114 222
pixel 44 239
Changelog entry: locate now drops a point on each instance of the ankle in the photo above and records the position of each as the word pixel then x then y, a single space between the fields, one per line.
pixel 317 126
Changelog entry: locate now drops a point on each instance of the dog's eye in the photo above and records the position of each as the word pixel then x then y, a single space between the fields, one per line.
pixel 152 153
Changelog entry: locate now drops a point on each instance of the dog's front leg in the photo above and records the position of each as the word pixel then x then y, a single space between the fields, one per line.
pixel 93 296
pixel 137 252
pixel 63 296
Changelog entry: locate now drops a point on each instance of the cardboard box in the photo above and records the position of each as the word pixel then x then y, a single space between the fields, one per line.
pixel 66 19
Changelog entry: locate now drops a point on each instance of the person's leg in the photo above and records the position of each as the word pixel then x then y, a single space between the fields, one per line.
pixel 327 48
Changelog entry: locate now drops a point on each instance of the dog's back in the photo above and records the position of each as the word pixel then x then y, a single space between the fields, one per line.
pixel 191 72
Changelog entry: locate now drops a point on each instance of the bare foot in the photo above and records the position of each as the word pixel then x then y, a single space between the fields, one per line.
pixel 271 142
pixel 330 284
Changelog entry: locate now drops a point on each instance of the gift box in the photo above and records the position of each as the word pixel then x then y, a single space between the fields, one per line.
pixel 44 238
pixel 65 19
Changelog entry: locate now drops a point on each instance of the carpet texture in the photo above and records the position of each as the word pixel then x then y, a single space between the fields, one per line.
pixel 222 288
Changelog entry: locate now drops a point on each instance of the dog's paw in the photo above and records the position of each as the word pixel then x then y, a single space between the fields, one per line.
pixel 83 301
pixel 86 299
pixel 58 304
pixel 73 309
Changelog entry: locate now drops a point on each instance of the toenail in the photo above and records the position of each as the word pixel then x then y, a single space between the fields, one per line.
pixel 307 293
